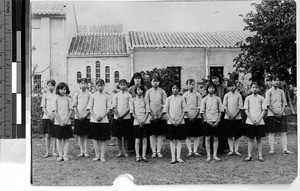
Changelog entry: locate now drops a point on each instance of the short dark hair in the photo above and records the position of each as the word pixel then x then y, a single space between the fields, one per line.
pixel 62 85
pixel 123 81
pixel 141 86
pixel 254 83
pixel 155 78
pixel 52 82
pixel 211 84
pixel 83 80
pixel 171 87
pixel 273 77
pixel 100 81
pixel 189 80
pixel 231 83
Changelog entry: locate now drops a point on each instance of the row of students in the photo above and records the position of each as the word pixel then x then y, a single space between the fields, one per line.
pixel 183 113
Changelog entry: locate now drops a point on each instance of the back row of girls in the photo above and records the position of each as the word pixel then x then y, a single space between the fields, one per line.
pixel 155 115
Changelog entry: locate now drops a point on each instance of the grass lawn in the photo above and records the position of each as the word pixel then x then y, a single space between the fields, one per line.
pixel 277 169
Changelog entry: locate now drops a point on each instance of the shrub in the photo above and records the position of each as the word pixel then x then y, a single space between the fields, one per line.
pixel 36 114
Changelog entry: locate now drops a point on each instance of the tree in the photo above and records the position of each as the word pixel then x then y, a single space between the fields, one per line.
pixel 272 48
pixel 167 77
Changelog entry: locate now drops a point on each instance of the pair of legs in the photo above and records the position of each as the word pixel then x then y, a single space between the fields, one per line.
pixel 250 146
pixel 156 144
pixel 283 143
pixel 236 142
pixel 48 142
pixel 176 145
pixel 99 147
pixel 215 147
pixel 189 146
pixel 137 148
pixel 126 141
pixel 63 148
pixel 83 144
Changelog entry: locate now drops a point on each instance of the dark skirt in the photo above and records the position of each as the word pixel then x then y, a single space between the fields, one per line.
pixel 233 128
pixel 158 127
pixel 48 127
pixel 176 132
pixel 141 132
pixel 211 131
pixel 194 129
pixel 81 127
pixel 276 125
pixel 252 131
pixel 63 132
pixel 99 131
pixel 122 128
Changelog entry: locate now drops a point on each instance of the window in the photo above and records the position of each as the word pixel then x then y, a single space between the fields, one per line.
pixel 97 70
pixel 37 83
pixel 117 77
pixel 216 69
pixel 88 73
pixel 107 74
pixel 78 76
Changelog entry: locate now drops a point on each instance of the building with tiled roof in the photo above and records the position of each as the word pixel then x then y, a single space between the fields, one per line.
pixel 220 39
pixel 98 44
pixel 48 8
pixel 66 51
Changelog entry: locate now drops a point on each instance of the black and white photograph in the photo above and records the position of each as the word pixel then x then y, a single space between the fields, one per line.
pixel 164 92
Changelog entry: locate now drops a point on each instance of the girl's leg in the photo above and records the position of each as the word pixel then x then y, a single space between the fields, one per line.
pixel 196 144
pixel 137 147
pixel 144 146
pixel 172 147
pixel 54 148
pixel 284 143
pixel 179 146
pixel 159 144
pixel 86 141
pixel 66 148
pixel 236 145
pixel 59 147
pixel 250 145
pixel 215 146
pixel 96 148
pixel 189 146
pixel 271 142
pixel 80 142
pixel 126 143
pixel 230 143
pixel 259 146
pixel 207 146
pixel 103 147
pixel 153 144
pixel 47 141
pixel 120 145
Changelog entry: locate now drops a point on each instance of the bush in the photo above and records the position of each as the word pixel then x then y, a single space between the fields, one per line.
pixel 36 114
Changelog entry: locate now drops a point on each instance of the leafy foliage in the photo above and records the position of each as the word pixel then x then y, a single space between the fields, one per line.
pixel 272 48
pixel 36 114
pixel 167 77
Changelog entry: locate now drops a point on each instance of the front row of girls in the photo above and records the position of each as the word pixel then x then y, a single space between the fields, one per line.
pixel 154 114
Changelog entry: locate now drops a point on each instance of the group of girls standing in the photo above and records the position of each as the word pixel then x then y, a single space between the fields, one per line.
pixel 140 113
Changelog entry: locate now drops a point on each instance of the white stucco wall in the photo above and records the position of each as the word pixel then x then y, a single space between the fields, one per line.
pixel 191 60
pixel 75 64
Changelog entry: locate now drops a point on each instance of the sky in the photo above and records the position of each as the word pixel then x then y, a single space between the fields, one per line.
pixel 166 16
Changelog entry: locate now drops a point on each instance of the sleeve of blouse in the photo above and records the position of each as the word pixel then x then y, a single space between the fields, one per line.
pixel 284 103
pixel 246 105
pixel 184 106
pixel 225 101
pixel 114 101
pixel 108 102
pixel 203 104
pixel 164 97
pixel 91 103
pixel 268 97
pixel 220 105
pixel 263 102
pixel 147 97
pixel 54 104
pixel 166 107
pixel 131 106
pixel 199 101
pixel 43 104
pixel 240 102
pixel 70 104
pixel 75 99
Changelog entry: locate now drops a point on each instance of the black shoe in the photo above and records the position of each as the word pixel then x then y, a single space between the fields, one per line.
pixel 144 159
